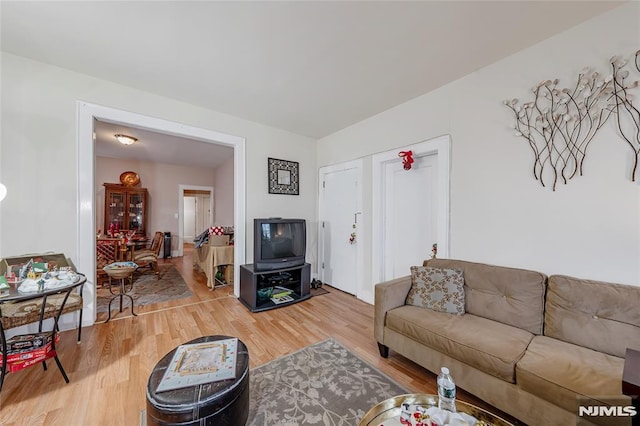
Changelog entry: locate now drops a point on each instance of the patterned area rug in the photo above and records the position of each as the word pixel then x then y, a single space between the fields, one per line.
pixel 322 384
pixel 148 289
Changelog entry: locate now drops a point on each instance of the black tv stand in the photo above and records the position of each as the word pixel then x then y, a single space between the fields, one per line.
pixel 255 285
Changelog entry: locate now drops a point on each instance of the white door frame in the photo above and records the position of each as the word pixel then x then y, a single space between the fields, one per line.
pixel 86 113
pixel 440 146
pixel 181 189
pixel 354 164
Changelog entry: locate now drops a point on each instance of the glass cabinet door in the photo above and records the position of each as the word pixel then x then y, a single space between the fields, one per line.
pixel 136 211
pixel 115 210
pixel 125 208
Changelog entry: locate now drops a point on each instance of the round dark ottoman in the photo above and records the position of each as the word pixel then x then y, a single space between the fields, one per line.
pixel 222 403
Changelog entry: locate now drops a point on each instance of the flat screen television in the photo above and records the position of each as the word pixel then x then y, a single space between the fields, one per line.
pixel 278 243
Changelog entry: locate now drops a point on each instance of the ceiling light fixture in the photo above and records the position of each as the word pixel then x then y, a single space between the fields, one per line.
pixel 125 139
pixel 3 191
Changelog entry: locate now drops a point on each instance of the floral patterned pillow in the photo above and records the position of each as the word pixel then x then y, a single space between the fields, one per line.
pixel 438 289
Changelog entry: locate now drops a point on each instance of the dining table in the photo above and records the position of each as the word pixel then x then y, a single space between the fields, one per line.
pixel 126 247
pixel 210 258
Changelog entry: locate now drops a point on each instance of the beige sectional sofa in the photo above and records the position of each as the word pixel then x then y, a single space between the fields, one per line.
pixel 533 346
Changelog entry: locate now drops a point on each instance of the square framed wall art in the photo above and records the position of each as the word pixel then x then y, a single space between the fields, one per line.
pixel 283 176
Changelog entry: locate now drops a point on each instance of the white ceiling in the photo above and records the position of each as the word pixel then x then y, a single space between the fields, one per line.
pixel 312 68
pixel 158 148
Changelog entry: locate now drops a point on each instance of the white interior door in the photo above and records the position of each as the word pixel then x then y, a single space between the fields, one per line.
pixel 410 214
pixel 203 212
pixel 189 218
pixel 410 207
pixel 197 214
pixel 340 201
pixel 200 214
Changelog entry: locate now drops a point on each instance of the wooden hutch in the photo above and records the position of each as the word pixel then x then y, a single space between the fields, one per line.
pixel 127 207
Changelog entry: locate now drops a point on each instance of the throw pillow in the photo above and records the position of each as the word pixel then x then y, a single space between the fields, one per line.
pixel 216 230
pixel 438 289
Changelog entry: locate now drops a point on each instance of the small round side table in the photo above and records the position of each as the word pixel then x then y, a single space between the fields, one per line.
pixel 121 271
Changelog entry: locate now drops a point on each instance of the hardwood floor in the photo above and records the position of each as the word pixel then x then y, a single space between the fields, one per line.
pixel 109 370
pixel 195 280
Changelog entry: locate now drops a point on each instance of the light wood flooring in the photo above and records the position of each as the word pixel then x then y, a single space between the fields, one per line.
pixel 109 370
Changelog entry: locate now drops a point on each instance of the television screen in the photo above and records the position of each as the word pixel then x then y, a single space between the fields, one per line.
pixel 279 243
pixel 280 240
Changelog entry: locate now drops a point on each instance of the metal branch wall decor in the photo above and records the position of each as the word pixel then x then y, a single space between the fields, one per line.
pixel 629 129
pixel 560 123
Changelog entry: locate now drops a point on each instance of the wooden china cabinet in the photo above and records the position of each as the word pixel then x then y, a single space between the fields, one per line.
pixel 127 207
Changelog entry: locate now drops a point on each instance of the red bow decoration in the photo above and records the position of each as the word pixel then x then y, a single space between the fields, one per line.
pixel 407 159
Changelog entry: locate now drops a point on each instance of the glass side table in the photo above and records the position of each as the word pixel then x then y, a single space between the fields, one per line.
pixel 25 350
pixel 388 411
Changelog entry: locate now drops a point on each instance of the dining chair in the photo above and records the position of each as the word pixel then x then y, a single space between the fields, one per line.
pixel 107 252
pixel 148 257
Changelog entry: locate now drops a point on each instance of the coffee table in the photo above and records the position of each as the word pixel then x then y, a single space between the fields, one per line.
pixel 219 403
pixel 391 409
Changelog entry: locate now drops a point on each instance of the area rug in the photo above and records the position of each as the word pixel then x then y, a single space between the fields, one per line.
pixel 322 384
pixel 148 289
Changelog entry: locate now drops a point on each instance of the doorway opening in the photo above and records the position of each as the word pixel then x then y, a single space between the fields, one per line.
pixel 196 213
pixel 86 231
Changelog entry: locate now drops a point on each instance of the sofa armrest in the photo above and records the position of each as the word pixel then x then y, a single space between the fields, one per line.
pixel 388 295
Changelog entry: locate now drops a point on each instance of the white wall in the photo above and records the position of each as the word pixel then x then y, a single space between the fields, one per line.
pixel 223 207
pixel 38 154
pixel 589 228
pixel 161 181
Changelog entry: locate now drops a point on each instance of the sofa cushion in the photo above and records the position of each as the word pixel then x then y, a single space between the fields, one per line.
pixel 594 314
pixel 487 345
pixel 441 290
pixel 508 295
pixel 567 374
